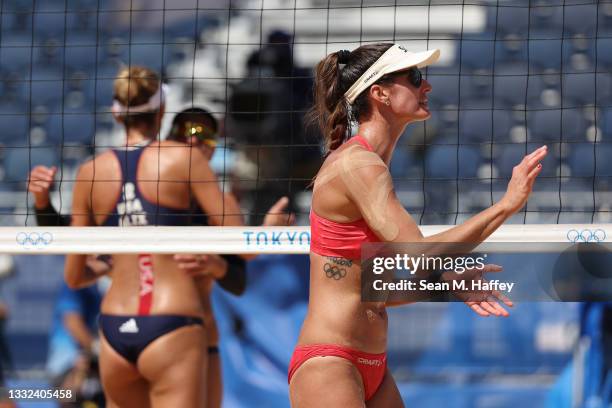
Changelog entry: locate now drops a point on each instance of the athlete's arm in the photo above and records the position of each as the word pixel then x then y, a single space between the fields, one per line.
pixel 228 270
pixel 77 328
pixel 388 219
pixel 76 272
pixel 39 184
pixel 234 280
pixel 220 208
pixel 391 222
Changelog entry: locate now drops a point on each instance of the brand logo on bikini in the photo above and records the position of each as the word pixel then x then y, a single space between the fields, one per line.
pixel 129 326
pixel 366 361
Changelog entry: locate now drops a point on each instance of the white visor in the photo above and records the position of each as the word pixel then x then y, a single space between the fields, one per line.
pixel 396 58
pixel 154 103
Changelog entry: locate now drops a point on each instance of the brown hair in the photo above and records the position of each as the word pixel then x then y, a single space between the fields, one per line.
pixel 134 86
pixel 331 110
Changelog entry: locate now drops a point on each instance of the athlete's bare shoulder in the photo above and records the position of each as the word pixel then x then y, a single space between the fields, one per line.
pixel 99 163
pixel 176 150
pixel 353 159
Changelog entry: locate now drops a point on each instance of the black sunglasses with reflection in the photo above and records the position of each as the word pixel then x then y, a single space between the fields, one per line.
pixel 415 76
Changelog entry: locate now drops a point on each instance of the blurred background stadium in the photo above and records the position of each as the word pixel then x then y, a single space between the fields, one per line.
pixel 513 75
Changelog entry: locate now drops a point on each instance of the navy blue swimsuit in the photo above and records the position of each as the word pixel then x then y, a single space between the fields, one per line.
pixel 132 208
pixel 129 335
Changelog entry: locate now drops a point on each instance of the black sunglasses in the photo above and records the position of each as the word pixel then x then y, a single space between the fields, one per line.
pixel 415 77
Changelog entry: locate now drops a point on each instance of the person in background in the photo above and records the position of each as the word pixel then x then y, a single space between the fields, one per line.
pixel 152 321
pixel 72 360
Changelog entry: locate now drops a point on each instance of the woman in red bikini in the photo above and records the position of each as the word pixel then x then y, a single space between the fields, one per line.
pixel 340 359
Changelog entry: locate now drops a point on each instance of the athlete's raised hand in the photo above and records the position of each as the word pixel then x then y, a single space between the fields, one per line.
pixel 277 217
pixel 523 177
pixel 39 184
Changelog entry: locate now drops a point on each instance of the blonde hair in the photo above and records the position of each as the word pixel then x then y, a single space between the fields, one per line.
pixel 135 85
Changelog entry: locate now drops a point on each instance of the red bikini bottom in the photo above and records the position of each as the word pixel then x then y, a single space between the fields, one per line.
pixel 372 367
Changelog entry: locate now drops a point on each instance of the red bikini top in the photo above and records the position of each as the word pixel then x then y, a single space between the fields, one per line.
pixel 340 239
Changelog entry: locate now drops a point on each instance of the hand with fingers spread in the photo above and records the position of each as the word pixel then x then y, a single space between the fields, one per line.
pixel 523 177
pixel 39 184
pixel 277 217
pixel 482 302
pixel 202 265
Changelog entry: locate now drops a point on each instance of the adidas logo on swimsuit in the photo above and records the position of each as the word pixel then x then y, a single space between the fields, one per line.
pixel 129 326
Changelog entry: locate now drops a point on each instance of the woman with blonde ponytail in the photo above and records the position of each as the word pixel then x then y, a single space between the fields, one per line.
pixel 340 359
pixel 153 339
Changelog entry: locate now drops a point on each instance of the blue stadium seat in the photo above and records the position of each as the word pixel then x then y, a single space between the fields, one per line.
pixel 606 125
pixel 46 5
pixel 445 88
pixel 545 54
pixel 14 124
pixel 513 19
pixel 47 86
pixel 81 21
pixel 510 49
pixel 179 51
pixel 182 23
pixel 80 57
pixel 565 20
pixel 580 19
pixel 582 89
pixel 16 20
pixel 545 16
pixel 74 127
pixel 476 53
pixel 402 161
pixel 508 156
pixel 80 99
pixel 147 54
pixel 12 39
pixel 49 54
pixel 104 86
pixel 82 38
pixel 15 58
pixel 604 25
pixel 510 86
pixel 441 162
pixel 476 90
pixel 47 72
pixel 556 125
pixel 49 24
pixel 84 5
pixel 19 161
pixel 589 160
pixel 478 126
pixel 604 56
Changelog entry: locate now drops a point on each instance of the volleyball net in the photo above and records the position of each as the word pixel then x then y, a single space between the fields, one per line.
pixel 513 75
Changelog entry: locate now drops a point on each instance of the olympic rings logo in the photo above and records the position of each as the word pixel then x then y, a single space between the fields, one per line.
pixel 36 240
pixel 586 235
pixel 334 272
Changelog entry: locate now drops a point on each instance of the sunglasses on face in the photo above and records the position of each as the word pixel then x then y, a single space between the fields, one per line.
pixel 415 77
pixel 203 133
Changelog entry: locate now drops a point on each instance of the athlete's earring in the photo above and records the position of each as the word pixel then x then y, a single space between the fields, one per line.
pixel 387 102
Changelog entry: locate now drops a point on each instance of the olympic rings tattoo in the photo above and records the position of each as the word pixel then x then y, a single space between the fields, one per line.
pixel 334 272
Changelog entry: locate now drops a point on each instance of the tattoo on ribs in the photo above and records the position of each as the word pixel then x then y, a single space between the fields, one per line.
pixel 334 272
pixel 340 261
